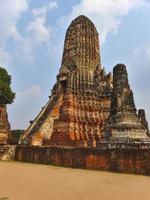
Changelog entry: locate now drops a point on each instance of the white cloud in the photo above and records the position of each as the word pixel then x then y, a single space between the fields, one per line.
pixel 52 5
pixel 25 106
pixel 42 11
pixel 38 26
pixel 39 11
pixel 106 14
pixel 10 13
pixel 4 57
pixel 32 91
pixel 35 33
pixel 39 30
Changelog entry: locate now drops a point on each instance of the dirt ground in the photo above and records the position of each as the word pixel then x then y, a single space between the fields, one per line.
pixel 22 181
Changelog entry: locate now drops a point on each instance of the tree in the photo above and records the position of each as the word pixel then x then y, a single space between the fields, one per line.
pixel 6 94
pixel 15 136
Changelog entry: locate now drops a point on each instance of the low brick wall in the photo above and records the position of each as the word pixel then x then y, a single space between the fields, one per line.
pixel 118 160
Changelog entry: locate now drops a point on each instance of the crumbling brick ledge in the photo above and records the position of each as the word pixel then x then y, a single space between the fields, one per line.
pixel 135 161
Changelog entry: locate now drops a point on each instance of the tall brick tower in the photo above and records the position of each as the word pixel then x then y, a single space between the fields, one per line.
pixel 124 124
pixel 4 125
pixel 81 53
pixel 86 104
pixel 80 99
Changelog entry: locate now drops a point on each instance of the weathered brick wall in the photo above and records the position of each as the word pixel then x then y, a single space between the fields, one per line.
pixel 123 160
pixel 5 134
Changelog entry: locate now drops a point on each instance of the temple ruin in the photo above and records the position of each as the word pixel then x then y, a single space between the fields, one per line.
pixel 5 133
pixel 87 106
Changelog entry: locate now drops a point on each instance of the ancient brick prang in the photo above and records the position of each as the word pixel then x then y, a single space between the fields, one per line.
pixel 87 107
pixel 142 116
pixel 81 52
pixel 81 70
pixel 122 96
pixel 124 125
pixel 5 134
pixel 80 99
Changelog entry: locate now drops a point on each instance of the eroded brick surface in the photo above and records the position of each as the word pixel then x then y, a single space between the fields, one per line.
pixel 91 119
pixel 117 160
pixel 4 126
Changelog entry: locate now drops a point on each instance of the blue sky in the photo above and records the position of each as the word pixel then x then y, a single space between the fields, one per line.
pixel 31 43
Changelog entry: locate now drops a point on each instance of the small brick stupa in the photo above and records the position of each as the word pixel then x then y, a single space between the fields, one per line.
pixel 4 125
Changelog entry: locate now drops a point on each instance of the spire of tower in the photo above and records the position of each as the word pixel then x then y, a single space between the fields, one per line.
pixel 81 45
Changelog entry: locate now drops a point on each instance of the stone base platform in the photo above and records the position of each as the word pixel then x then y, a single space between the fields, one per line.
pixel 126 160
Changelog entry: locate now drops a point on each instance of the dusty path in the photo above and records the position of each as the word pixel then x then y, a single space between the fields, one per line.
pixel 21 181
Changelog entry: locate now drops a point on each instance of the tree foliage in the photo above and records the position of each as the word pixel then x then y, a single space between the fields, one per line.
pixel 6 94
pixel 16 134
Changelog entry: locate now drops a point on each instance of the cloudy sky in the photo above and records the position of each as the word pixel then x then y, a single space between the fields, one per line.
pixel 31 42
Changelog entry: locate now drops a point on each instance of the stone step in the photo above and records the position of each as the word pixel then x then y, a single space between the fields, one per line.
pixel 7 152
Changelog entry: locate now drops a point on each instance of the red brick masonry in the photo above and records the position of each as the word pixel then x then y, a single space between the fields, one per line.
pixel 118 160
